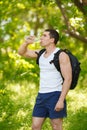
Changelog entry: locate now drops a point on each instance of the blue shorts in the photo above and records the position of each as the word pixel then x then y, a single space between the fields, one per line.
pixel 45 104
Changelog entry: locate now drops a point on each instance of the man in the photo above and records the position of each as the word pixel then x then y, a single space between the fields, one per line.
pixel 50 101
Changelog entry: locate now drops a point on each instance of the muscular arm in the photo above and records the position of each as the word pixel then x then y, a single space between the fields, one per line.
pixel 24 51
pixel 66 71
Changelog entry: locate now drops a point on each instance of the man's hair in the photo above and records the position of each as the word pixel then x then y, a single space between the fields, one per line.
pixel 53 34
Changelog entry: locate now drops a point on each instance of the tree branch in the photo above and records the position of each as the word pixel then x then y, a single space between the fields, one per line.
pixel 81 5
pixel 77 36
pixel 72 32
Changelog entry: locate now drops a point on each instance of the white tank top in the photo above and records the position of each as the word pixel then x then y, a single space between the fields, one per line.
pixel 50 78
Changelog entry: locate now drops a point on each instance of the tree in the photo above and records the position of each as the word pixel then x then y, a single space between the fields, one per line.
pixel 71 29
pixel 18 18
pixel 22 16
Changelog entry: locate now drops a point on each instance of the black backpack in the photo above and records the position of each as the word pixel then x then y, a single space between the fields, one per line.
pixel 75 64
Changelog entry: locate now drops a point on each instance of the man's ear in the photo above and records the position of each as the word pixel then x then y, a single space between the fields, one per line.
pixel 52 40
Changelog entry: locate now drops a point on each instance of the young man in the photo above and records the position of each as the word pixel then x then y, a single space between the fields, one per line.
pixel 50 101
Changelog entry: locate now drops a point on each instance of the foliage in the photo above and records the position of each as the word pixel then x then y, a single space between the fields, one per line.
pixel 18 100
pixel 18 75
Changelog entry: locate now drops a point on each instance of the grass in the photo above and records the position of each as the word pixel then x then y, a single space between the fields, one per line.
pixel 77 110
pixel 17 102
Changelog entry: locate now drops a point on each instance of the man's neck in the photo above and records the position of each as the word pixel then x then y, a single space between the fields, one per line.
pixel 50 49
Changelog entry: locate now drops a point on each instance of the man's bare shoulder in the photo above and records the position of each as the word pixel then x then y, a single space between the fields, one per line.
pixel 63 57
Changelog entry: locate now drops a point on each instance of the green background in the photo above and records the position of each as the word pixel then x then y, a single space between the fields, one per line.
pixel 19 77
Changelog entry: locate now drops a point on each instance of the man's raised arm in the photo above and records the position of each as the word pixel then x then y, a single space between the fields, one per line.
pixel 24 51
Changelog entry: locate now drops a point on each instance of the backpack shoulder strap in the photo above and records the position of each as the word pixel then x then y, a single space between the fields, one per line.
pixel 39 54
pixel 56 59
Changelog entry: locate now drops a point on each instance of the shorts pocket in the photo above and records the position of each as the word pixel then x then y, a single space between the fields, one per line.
pixel 38 100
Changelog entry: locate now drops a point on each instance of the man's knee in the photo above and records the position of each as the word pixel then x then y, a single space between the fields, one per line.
pixel 57 127
pixel 36 127
pixel 57 124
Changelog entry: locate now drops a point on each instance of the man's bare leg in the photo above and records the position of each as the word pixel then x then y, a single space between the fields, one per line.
pixel 57 124
pixel 37 123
